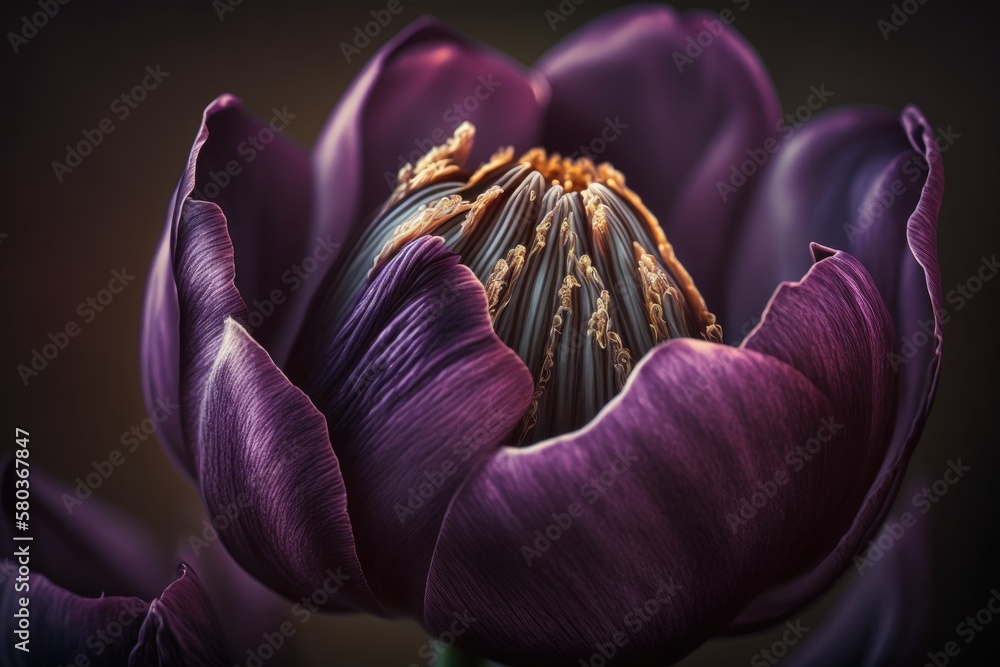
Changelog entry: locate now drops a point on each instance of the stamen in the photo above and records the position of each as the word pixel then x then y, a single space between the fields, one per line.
pixel 497 285
pixel 580 280
pixel 425 222
pixel 438 164
pixel 545 375
pixel 655 286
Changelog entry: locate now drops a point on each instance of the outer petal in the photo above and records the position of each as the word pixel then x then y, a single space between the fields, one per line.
pixel 833 169
pixel 65 626
pixel 180 629
pixel 680 124
pixel 658 479
pixel 266 450
pixel 264 205
pixel 176 630
pixel 409 97
pixel 417 391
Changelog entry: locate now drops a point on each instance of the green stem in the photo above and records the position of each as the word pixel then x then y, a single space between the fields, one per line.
pixel 456 657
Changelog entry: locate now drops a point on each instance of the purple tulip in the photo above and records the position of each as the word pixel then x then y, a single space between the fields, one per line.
pixel 493 399
pixel 75 598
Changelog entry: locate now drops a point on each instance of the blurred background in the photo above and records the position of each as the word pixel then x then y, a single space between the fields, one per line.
pixel 60 241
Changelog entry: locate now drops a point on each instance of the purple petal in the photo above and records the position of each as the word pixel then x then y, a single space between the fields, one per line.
pixel 176 630
pixel 65 626
pixel 111 553
pixel 267 452
pixel 848 360
pixel 417 391
pixel 263 203
pixel 658 479
pixel 687 122
pixel 403 103
pixel 180 629
pixel 833 168
pixel 208 298
pixel 268 208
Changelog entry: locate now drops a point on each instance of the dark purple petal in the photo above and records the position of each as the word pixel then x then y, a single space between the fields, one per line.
pixel 836 166
pixel 176 630
pixel 268 208
pixel 264 205
pixel 80 563
pixel 266 450
pixel 159 348
pixel 180 629
pixel 699 429
pixel 687 122
pixel 402 104
pixel 207 297
pixel 417 391
pixel 65 626
pixel 881 619
pixel 848 360
pixel 110 552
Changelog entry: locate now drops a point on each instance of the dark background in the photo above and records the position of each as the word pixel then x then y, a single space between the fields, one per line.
pixel 63 239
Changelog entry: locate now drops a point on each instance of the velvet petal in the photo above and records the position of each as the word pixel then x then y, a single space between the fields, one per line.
pixel 662 482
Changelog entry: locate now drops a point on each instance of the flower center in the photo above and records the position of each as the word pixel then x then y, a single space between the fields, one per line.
pixel 580 280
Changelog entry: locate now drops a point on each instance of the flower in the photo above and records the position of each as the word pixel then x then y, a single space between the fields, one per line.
pixel 345 369
pixel 81 610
